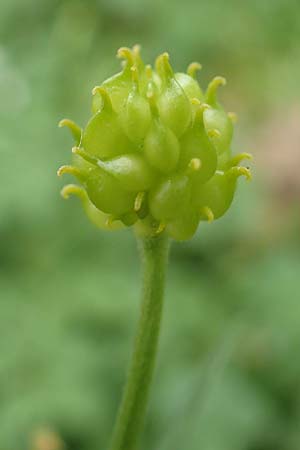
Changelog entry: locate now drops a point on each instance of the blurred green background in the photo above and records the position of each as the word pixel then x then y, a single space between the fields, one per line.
pixel 228 375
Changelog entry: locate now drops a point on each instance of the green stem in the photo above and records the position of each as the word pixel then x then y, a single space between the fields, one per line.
pixel 154 255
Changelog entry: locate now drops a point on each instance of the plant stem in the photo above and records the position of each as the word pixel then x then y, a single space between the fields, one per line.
pixel 154 256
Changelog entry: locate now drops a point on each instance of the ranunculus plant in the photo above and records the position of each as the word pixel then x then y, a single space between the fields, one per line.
pixel 156 156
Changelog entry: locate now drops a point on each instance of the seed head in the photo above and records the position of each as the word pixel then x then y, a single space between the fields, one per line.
pixel 156 153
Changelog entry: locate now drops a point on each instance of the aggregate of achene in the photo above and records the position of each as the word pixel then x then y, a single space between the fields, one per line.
pixel 156 153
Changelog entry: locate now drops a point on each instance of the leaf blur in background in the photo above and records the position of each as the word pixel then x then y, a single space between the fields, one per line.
pixel 229 367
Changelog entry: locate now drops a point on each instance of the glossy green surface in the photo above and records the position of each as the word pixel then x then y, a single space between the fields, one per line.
pixel 153 148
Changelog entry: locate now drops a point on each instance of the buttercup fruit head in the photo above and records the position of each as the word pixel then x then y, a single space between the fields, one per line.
pixel 156 154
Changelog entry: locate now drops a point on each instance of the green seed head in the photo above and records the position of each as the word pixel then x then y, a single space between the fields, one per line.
pixel 156 154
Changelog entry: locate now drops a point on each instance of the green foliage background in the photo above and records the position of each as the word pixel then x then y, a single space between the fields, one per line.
pixel 228 376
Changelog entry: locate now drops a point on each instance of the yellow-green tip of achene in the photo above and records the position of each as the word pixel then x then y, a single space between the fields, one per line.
pixel 156 153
